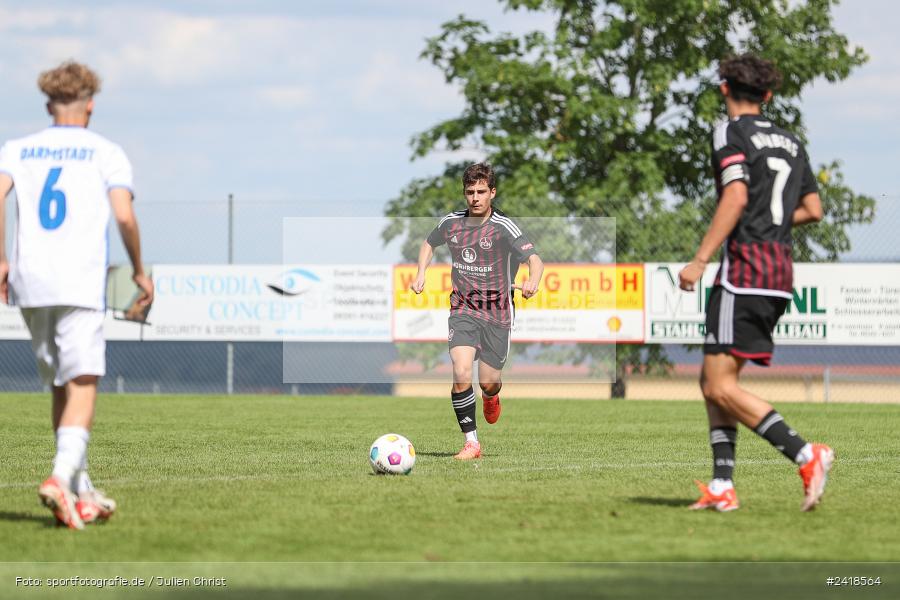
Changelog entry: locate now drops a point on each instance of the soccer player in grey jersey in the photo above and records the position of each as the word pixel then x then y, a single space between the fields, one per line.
pixel 486 248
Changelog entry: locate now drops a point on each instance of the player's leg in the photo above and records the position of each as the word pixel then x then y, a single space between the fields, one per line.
pixel 59 403
pixel 720 387
pixel 752 320
pixel 490 383
pixel 81 353
pixel 56 493
pixel 494 352
pixel 463 399
pixel 92 504
pixel 82 363
pixel 463 343
pixel 720 493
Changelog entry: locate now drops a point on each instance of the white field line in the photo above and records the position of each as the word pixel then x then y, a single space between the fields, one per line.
pixel 523 468
pixel 673 464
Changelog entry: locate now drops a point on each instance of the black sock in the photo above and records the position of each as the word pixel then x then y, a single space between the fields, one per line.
pixel 723 441
pixel 464 406
pixel 777 433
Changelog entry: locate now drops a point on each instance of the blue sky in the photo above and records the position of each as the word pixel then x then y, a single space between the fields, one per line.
pixel 307 108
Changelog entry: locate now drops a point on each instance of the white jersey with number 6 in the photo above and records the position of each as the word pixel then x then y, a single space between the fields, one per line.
pixel 62 176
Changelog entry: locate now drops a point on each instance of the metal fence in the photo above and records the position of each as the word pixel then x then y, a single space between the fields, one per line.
pixel 251 232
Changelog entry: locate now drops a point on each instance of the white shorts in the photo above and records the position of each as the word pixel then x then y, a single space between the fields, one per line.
pixel 67 342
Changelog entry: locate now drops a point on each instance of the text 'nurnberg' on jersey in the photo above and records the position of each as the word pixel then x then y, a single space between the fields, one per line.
pixel 485 259
pixel 774 165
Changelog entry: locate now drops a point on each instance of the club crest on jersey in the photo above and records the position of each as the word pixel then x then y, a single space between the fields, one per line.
pixel 468 255
pixel 486 243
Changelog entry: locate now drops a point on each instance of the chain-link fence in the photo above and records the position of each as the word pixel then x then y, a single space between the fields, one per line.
pixel 252 233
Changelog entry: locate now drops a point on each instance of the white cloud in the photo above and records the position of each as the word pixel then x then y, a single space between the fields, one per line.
pixel 389 80
pixel 169 49
pixel 285 96
pixel 33 19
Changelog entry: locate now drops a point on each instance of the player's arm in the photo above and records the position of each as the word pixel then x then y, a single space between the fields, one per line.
pixel 809 210
pixel 6 186
pixel 426 253
pixel 535 272
pixel 123 210
pixel 523 251
pixel 728 213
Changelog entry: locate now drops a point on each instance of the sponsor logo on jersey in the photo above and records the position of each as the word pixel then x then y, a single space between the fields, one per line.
pixel 468 255
pixel 454 240
pixel 486 243
pixel 473 268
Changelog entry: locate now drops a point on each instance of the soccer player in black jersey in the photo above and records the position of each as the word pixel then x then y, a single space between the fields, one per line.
pixel 486 249
pixel 765 186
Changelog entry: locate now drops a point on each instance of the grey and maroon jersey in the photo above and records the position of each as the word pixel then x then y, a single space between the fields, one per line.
pixel 485 259
pixel 774 165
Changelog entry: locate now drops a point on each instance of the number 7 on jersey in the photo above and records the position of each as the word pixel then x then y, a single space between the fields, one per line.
pixel 782 171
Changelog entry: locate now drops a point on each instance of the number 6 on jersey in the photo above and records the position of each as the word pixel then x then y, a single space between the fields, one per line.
pixel 52 207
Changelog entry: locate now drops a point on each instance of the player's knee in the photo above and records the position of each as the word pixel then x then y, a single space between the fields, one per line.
pixel 716 392
pixel 491 389
pixel 462 373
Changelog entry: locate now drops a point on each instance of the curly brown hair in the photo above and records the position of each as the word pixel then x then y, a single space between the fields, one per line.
pixel 749 77
pixel 479 172
pixel 69 82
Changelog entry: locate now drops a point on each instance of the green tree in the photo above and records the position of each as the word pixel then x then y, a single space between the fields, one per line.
pixel 610 112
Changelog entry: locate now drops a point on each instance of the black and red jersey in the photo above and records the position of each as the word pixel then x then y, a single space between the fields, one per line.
pixel 485 258
pixel 772 162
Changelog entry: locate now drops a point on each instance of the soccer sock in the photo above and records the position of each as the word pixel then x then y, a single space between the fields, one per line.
pixel 805 455
pixel 464 407
pixel 723 441
pixel 83 482
pixel 720 486
pixel 785 439
pixel 71 447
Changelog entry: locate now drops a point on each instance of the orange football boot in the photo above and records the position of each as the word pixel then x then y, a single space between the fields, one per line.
pixel 815 475
pixel 470 451
pixel 61 500
pixel 491 408
pixel 724 502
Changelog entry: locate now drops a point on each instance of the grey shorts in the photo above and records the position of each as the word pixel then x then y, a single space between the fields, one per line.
pixel 491 341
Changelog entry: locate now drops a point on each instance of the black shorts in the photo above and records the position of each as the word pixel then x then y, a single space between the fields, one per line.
pixel 742 324
pixel 491 341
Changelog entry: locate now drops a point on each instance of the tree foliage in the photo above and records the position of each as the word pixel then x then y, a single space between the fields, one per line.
pixel 609 112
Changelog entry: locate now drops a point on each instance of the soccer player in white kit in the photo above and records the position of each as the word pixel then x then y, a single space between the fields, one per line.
pixel 68 181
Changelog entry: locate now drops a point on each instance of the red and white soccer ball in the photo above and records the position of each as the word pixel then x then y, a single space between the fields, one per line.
pixel 392 454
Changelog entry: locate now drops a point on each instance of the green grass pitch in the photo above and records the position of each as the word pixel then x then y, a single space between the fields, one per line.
pixel 571 498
